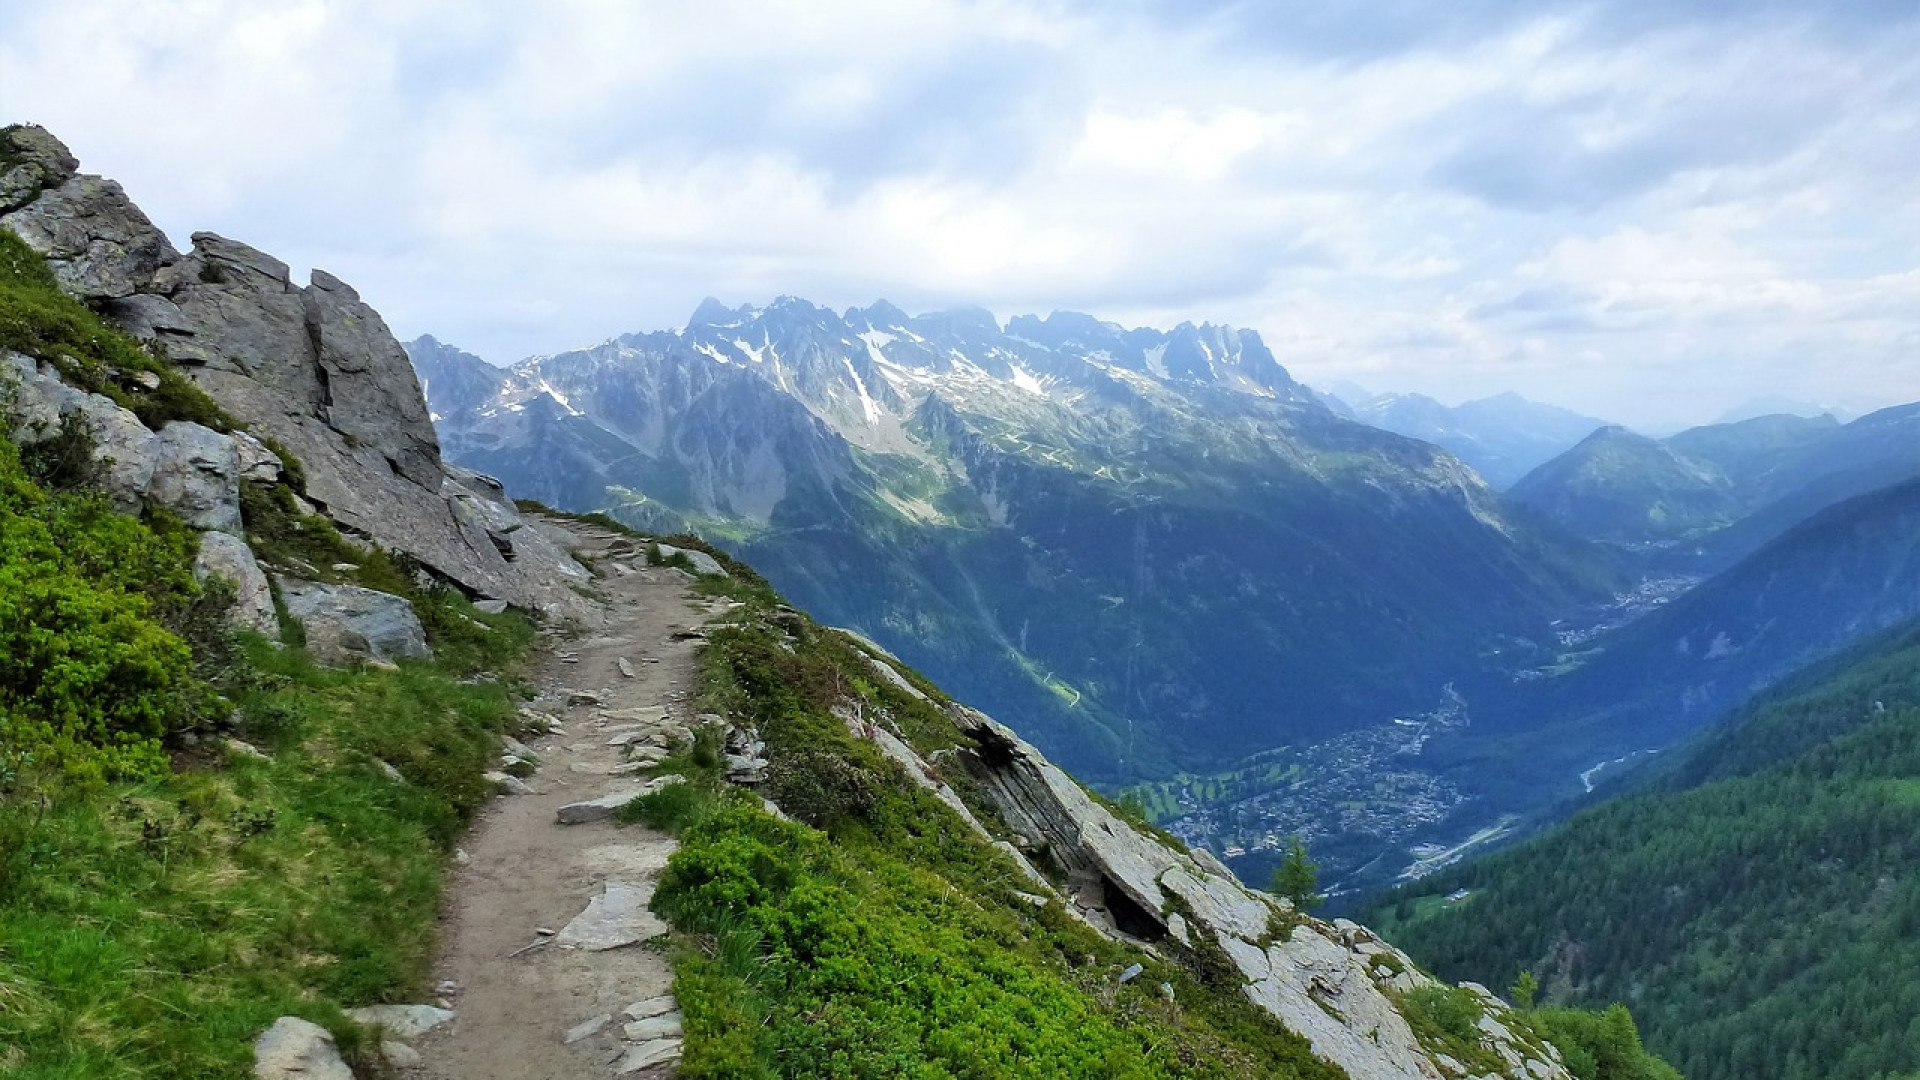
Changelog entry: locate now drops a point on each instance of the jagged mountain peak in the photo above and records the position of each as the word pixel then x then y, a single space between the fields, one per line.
pixel 711 312
pixel 879 315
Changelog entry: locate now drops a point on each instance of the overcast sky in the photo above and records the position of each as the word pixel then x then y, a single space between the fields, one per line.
pixel 1650 210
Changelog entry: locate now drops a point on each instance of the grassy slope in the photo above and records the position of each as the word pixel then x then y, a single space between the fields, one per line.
pixel 877 935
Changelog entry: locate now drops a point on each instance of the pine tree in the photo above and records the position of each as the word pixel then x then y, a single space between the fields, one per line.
pixel 1296 878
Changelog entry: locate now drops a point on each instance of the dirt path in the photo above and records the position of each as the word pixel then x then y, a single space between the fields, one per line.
pixel 527 877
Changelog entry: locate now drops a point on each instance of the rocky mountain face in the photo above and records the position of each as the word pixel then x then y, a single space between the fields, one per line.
pixel 1151 547
pixel 313 369
pixel 1717 493
pixel 1503 437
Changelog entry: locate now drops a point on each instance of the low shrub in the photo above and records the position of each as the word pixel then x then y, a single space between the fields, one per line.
pixel 672 808
pixel 92 680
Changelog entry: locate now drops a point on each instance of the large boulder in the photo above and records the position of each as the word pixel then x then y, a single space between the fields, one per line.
pixel 31 161
pixel 196 474
pixel 98 244
pixel 296 1049
pixel 346 622
pixel 227 557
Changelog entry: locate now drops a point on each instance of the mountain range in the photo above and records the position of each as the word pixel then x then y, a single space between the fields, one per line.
pixel 1150 549
pixel 1503 437
pixel 1710 495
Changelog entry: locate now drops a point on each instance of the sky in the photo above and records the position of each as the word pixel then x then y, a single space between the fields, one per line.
pixel 1648 210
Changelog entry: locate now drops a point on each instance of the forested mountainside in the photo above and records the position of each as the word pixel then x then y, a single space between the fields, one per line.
pixel 1503 437
pixel 1154 549
pixel 1709 496
pixel 202 829
pixel 1756 902
pixel 1849 572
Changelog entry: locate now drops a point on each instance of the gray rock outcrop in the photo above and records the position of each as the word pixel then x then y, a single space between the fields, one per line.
pixel 196 474
pixel 312 367
pixel 35 162
pixel 1330 982
pixel 703 564
pixel 402 1021
pixel 98 244
pixel 188 469
pixel 346 622
pixel 225 556
pixel 296 1049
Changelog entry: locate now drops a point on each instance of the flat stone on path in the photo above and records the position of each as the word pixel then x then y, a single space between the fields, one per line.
pixel 402 1021
pixel 652 1053
pixel 507 783
pixel 664 1026
pixel 643 714
pixel 653 1006
pixel 596 768
pixel 586 1029
pixel 616 918
pixel 628 862
pixel 598 809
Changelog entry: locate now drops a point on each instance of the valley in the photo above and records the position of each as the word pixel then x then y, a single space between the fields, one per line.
pixel 1356 800
pixel 1152 550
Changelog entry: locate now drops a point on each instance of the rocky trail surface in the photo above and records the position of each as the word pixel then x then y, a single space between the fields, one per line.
pixel 550 961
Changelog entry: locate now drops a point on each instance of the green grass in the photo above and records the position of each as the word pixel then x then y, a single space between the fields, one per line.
pixel 673 807
pixel 154 928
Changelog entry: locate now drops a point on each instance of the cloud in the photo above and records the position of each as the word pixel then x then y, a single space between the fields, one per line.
pixel 1577 200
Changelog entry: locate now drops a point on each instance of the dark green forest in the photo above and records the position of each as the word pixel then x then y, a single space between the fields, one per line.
pixel 1756 903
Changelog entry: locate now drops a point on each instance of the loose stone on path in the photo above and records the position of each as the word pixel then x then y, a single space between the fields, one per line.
pixel 616 918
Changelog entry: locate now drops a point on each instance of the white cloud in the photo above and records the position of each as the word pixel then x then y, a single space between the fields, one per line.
pixel 1578 204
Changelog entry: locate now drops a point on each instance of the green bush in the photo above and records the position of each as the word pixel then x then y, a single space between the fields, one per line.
pixel 92 681
pixel 1450 1010
pixel 822 788
pixel 1602 1045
